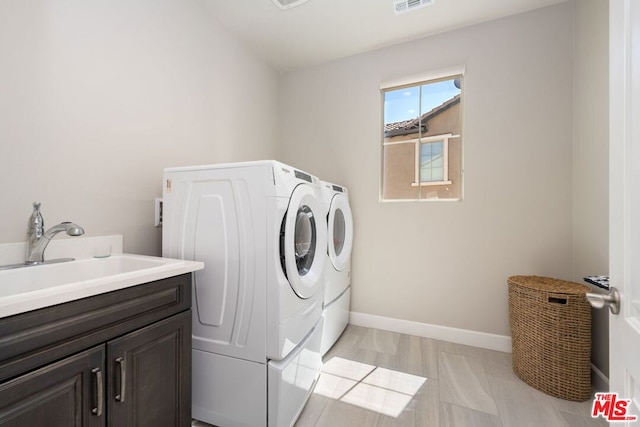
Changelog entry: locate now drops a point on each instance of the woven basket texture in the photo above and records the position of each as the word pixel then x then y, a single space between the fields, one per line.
pixel 551 335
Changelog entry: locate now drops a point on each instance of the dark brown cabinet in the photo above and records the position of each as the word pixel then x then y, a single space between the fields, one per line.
pixel 150 375
pixel 117 359
pixel 62 394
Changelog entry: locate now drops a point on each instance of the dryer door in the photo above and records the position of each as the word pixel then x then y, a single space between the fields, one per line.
pixel 304 241
pixel 340 231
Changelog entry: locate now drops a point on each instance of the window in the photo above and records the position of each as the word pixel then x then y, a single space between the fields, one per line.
pixel 422 144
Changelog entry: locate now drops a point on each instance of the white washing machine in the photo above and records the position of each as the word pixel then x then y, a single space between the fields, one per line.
pixel 260 228
pixel 337 289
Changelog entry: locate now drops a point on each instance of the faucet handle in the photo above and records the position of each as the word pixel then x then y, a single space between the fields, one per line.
pixel 36 221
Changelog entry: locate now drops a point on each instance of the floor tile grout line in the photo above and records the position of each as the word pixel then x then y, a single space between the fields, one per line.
pixel 474 410
pixel 481 364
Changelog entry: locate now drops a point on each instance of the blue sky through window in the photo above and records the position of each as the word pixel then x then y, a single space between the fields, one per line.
pixel 404 104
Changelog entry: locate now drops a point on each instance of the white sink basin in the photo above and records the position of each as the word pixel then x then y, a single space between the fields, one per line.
pixel 39 277
pixel 29 288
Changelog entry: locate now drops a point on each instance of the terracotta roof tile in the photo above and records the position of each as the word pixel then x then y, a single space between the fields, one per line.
pixel 414 123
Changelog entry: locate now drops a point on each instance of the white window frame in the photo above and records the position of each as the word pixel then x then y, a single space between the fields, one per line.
pixel 413 81
pixel 445 158
pixel 424 77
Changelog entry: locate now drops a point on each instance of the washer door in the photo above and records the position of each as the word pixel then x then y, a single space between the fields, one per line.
pixel 340 232
pixel 305 240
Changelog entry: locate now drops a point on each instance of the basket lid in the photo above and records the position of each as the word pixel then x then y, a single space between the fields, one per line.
pixel 548 284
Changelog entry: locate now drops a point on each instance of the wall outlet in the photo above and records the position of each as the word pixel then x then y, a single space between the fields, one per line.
pixel 158 215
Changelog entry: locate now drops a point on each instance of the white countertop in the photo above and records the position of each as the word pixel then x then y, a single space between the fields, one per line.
pixel 30 288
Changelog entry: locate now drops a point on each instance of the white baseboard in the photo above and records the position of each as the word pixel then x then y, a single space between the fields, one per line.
pixel 444 333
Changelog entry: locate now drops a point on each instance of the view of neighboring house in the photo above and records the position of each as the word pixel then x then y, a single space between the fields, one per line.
pixel 422 157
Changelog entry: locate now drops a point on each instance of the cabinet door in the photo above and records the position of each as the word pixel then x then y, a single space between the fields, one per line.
pixel 150 375
pixel 67 393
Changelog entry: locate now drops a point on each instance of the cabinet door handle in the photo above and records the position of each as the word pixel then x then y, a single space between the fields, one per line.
pixel 123 378
pixel 97 411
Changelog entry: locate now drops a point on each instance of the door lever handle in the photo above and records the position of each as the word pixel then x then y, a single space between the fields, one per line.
pixel 612 300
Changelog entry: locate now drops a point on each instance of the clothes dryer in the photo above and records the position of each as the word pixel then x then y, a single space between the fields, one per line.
pixel 337 292
pixel 260 228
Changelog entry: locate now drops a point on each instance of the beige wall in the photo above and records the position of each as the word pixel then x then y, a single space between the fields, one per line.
pixel 446 263
pixel 591 158
pixel 97 97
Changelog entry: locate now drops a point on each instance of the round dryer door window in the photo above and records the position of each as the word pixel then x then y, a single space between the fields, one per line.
pixel 338 232
pixel 340 228
pixel 304 241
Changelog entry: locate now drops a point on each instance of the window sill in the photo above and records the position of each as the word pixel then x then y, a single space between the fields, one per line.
pixel 430 184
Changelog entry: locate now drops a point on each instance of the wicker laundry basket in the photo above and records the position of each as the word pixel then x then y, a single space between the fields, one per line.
pixel 551 335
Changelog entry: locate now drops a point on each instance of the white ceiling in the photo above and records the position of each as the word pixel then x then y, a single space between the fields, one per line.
pixel 323 30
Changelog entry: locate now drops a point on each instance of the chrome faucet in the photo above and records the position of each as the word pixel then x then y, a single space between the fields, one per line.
pixel 38 239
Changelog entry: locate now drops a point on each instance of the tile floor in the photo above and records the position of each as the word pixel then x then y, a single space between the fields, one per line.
pixel 379 378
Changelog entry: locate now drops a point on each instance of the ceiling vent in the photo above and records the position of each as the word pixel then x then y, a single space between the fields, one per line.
pixel 404 6
pixel 288 4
